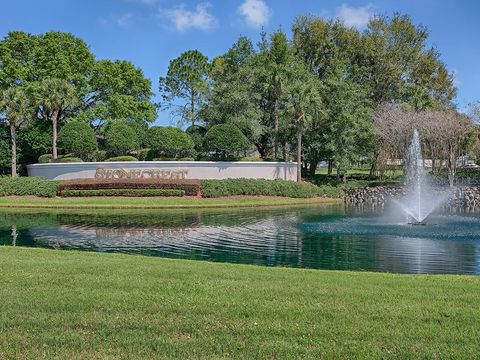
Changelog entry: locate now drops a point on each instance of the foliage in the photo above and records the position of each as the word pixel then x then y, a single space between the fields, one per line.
pixel 45 159
pixel 190 187
pixel 232 187
pixel 197 133
pixel 170 142
pixel 78 138
pixel 67 159
pixel 186 81
pixel 34 140
pixel 122 158
pixel 120 138
pixel 123 192
pixel 22 186
pixel 225 141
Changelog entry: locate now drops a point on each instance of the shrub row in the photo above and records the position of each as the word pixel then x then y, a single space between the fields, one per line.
pixel 190 187
pixel 232 187
pixel 123 192
pixel 22 186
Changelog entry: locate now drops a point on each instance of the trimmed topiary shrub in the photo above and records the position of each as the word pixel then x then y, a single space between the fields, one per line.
pixel 197 133
pixel 123 192
pixel 225 141
pixel 169 142
pixel 22 186
pixel 120 138
pixel 77 138
pixel 67 159
pixel 232 187
pixel 45 159
pixel 191 187
pixel 123 158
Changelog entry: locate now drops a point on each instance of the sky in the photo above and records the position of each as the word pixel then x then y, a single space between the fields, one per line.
pixel 150 33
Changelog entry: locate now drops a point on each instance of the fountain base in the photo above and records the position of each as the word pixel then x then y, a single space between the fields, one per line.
pixel 417 223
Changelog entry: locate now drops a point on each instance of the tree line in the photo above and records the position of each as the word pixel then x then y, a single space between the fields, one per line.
pixel 316 96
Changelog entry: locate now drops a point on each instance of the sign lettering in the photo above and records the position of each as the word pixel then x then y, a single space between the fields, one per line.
pixel 121 173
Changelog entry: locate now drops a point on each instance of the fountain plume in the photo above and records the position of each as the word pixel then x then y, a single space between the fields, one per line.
pixel 421 198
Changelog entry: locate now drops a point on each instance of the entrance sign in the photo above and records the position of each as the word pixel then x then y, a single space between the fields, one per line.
pixel 166 170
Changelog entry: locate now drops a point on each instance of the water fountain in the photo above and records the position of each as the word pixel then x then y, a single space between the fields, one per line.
pixel 421 198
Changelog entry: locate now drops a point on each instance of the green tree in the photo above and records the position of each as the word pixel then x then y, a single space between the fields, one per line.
pixel 276 58
pixel 120 138
pixel 118 91
pixel 303 102
pixel 169 141
pixel 55 98
pixel 15 104
pixel 225 141
pixel 78 138
pixel 185 87
pixel 236 95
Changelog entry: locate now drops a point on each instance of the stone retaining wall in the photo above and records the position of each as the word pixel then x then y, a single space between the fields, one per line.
pixel 467 196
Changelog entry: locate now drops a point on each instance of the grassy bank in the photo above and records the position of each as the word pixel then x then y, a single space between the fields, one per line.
pixel 59 304
pixel 156 202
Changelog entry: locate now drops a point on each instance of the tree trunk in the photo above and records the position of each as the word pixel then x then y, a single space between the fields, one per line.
pixel 54 134
pixel 313 168
pixel 13 136
pixel 276 126
pixel 330 167
pixel 299 152
pixel 284 151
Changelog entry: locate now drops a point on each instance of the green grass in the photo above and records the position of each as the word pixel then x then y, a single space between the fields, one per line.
pixel 155 202
pixel 71 305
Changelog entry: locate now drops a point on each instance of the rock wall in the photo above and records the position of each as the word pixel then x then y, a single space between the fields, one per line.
pixel 462 196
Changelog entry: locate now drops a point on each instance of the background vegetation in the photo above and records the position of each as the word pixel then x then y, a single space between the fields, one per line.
pixel 330 93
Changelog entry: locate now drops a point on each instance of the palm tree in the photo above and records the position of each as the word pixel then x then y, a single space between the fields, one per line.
pixel 56 97
pixel 303 101
pixel 14 102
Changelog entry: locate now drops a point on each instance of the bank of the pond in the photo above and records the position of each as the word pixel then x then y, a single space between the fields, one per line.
pixel 157 202
pixel 61 304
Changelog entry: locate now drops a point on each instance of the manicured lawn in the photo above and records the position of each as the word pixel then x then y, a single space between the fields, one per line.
pixel 68 305
pixel 156 202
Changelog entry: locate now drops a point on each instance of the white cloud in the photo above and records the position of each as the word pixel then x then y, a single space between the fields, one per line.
pixel 124 20
pixel 355 16
pixel 256 13
pixel 184 19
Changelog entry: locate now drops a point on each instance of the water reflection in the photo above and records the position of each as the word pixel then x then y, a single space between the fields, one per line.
pixel 315 237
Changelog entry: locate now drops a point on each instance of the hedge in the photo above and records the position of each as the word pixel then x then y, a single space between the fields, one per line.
pixel 123 192
pixel 232 187
pixel 22 186
pixel 123 158
pixel 190 187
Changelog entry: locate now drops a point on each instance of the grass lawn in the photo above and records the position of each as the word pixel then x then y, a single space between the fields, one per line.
pixel 156 202
pixel 68 305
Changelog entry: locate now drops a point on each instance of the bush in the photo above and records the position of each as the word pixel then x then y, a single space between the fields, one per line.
pixel 174 159
pixel 232 187
pixel 45 159
pixel 190 187
pixel 123 192
pixel 77 138
pixel 22 186
pixel 120 138
pixel 169 142
pixel 144 155
pixel 197 134
pixel 251 158
pixel 67 159
pixel 225 141
pixel 123 158
pixel 99 155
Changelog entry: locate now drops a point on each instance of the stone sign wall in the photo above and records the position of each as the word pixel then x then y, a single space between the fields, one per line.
pixel 166 170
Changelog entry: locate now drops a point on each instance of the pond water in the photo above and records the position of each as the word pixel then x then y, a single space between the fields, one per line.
pixel 330 237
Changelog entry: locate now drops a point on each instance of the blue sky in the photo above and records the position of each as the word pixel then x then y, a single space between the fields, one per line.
pixel 152 32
